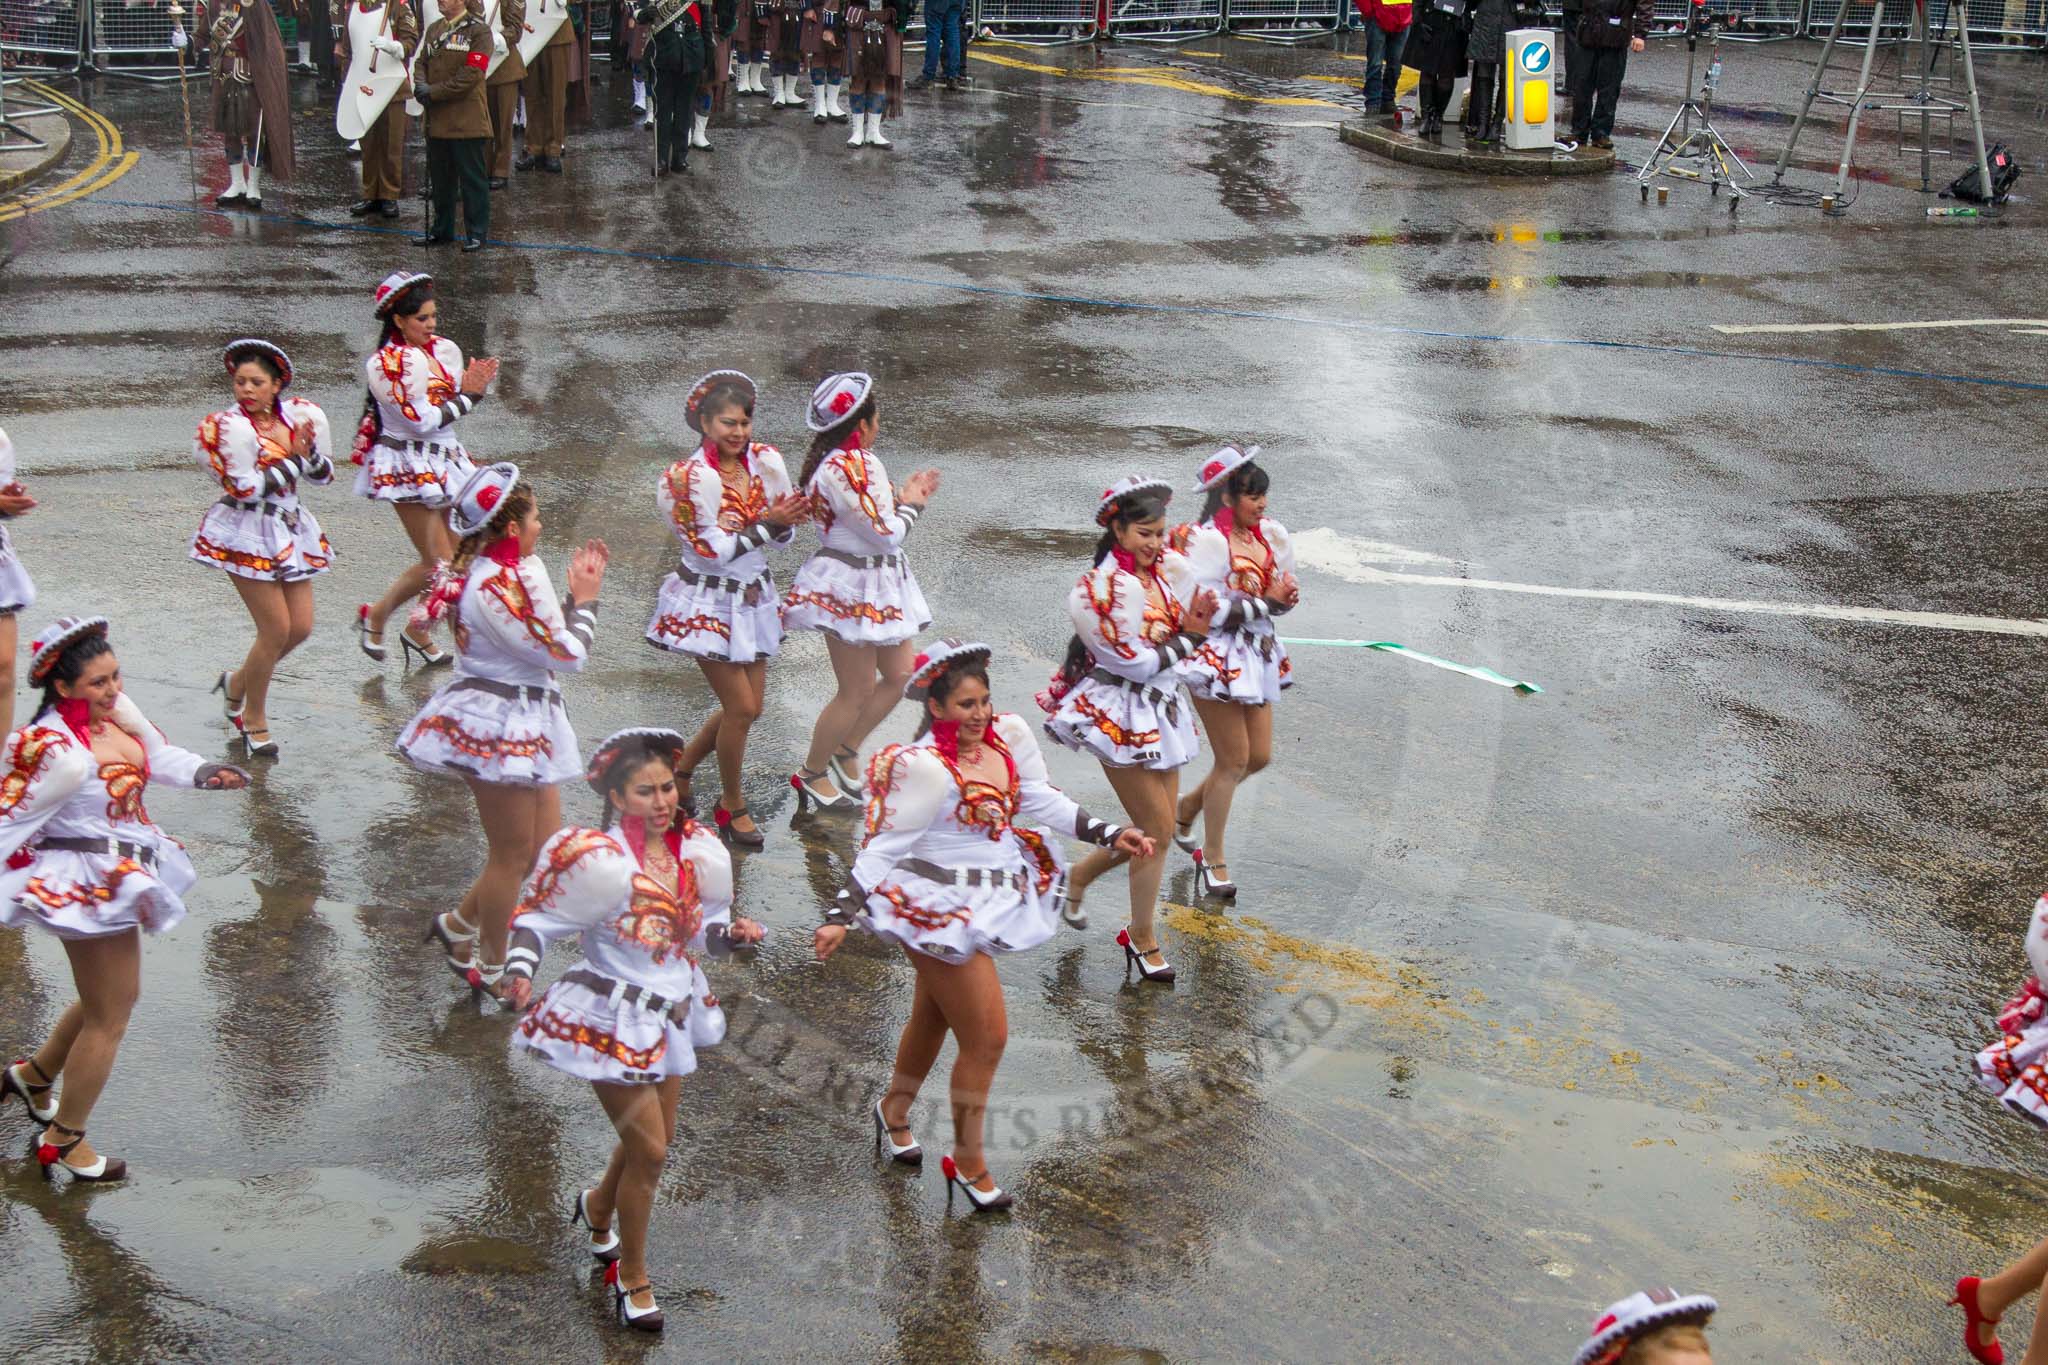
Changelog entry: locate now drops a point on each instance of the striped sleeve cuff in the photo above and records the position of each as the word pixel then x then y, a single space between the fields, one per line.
pixel 460 405
pixel 1176 649
pixel 279 478
pixel 522 956
pixel 753 538
pixel 582 618
pixel 1090 830
pixel 909 511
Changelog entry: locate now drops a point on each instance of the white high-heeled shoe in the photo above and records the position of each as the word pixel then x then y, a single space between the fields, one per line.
pixel 607 1250
pixel 847 779
pixel 806 794
pixel 982 1203
pixel 909 1155
pixel 1164 972
pixel 12 1083
pixel 1184 838
pixel 230 706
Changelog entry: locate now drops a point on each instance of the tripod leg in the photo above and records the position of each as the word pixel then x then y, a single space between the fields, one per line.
pixel 1862 92
pixel 1976 114
pixel 1827 51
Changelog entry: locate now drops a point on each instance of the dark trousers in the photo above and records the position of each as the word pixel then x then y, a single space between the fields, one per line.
pixel 458 165
pixel 942 37
pixel 675 95
pixel 1382 63
pixel 1596 88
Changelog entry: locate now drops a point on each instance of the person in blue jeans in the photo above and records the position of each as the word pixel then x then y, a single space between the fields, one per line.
pixel 1386 37
pixel 942 36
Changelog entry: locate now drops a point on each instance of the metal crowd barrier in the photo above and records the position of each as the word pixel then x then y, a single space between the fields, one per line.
pixel 1284 21
pixel 41 35
pixel 1164 21
pixel 2022 23
pixel 133 38
pixel 1048 23
pixel 1743 21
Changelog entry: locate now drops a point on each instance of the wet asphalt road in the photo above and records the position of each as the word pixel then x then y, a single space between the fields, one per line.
pixel 1672 973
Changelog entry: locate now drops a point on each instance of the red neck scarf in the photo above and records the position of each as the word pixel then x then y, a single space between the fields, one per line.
pixel 946 739
pixel 711 457
pixel 1225 520
pixel 635 829
pixel 1125 560
pixel 504 550
pixel 75 712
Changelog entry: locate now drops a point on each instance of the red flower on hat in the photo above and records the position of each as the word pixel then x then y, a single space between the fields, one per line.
pixel 1212 469
pixel 917 665
pixel 35 646
pixel 487 496
pixel 841 402
pixel 1109 492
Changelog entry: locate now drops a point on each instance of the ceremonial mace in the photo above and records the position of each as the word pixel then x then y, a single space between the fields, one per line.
pixel 177 13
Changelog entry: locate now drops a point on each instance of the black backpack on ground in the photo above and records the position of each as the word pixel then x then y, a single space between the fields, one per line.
pixel 2004 170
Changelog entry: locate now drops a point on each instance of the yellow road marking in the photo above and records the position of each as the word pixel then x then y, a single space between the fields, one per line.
pixel 108 164
pixel 1159 79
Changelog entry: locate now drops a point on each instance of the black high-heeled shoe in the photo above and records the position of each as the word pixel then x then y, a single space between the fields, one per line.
pixel 912 1155
pixel 1207 883
pixel 647 1319
pixel 1133 958
pixel 738 838
pixel 373 648
pixel 104 1169
pixel 982 1203
pixel 429 658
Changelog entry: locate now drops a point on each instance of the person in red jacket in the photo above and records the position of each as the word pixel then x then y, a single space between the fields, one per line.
pixel 1386 33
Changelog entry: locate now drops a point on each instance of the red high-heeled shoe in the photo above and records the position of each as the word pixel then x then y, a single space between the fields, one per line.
pixel 1966 1299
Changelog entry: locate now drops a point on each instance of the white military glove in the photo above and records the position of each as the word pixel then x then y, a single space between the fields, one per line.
pixel 178 39
pixel 498 47
pixel 390 47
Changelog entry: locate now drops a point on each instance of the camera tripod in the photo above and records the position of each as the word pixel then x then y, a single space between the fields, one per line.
pixel 1691 135
pixel 1917 100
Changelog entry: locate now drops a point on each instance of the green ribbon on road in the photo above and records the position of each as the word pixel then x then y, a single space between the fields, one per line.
pixel 1527 689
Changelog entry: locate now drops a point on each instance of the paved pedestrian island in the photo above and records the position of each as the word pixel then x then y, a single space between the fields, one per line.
pixel 20 164
pixel 1451 152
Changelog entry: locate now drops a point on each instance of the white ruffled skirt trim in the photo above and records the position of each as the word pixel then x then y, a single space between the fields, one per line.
pixel 1248 666
pixel 862 606
pixel 428 472
pixel 952 922
pixel 17 589
pixel 251 543
pixel 505 740
pixel 91 895
pixel 1125 728
pixel 577 1031
pixel 713 623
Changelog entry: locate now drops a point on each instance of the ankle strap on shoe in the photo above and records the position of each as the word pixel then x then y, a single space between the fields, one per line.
pixel 75 1134
pixel 48 1080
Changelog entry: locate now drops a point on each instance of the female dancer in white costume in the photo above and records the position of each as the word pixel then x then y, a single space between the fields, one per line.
pixel 645 895
pixel 950 873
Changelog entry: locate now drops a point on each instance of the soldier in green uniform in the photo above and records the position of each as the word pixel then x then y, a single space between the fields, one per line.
pixel 448 79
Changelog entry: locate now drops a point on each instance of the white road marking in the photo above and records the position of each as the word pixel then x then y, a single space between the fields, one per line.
pixel 1346 557
pixel 1754 328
